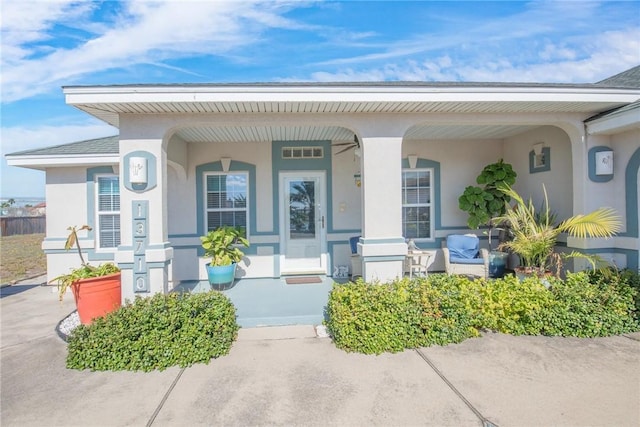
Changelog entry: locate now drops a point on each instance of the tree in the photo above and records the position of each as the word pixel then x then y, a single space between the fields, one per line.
pixel 8 203
pixel 484 203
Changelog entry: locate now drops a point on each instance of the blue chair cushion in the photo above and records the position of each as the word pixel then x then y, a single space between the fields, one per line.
pixel 462 247
pixel 456 260
pixel 354 244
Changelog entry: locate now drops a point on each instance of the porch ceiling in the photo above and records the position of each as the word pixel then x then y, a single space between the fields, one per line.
pixel 110 112
pixel 340 134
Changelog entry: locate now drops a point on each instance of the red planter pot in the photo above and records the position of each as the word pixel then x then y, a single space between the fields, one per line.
pixel 97 296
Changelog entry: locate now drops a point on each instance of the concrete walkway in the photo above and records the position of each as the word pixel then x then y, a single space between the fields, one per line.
pixel 287 376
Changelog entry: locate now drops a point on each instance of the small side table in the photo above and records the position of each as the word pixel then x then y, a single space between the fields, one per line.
pixel 418 262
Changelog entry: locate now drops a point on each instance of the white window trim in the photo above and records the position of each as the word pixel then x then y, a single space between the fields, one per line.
pixel 430 204
pixel 98 212
pixel 205 199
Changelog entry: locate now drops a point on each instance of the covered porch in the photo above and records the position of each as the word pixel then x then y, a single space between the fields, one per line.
pixel 424 139
pixel 273 302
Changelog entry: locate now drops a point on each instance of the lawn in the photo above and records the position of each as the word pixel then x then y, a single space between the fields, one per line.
pixel 21 256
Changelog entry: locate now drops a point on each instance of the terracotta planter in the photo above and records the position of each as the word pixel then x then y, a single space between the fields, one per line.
pixel 97 296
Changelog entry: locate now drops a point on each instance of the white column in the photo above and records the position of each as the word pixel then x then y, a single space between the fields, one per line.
pixel 382 246
pixel 144 254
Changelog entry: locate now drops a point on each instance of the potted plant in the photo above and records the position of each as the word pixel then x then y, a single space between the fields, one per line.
pixel 485 203
pixel 535 235
pixel 97 290
pixel 222 246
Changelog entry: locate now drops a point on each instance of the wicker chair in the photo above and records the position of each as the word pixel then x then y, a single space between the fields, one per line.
pixel 463 255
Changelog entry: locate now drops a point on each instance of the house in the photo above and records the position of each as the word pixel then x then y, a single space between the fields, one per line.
pixel 267 157
pixel 38 210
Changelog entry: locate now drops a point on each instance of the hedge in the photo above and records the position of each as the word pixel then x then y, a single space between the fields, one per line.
pixel 156 333
pixel 441 309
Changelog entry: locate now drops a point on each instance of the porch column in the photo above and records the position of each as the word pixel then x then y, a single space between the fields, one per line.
pixel 381 246
pixel 144 255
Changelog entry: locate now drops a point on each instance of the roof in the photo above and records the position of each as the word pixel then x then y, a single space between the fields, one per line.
pixel 99 151
pixel 615 121
pixel 106 145
pixel 624 109
pixel 612 96
pixel 629 78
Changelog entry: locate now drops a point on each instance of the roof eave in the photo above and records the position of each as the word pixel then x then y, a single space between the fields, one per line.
pixel 49 161
pixel 324 93
pixel 615 123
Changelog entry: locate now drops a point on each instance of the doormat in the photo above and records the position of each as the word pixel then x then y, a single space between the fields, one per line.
pixel 303 280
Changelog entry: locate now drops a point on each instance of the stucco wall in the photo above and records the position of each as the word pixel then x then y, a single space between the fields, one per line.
pixel 558 180
pixel 347 205
pixel 66 194
pixel 461 162
pixel 624 146
pixel 67 205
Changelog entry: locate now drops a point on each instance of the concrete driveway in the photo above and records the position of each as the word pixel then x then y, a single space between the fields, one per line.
pixel 288 376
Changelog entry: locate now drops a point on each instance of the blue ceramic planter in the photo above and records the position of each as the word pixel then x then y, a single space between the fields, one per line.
pixel 221 275
pixel 497 263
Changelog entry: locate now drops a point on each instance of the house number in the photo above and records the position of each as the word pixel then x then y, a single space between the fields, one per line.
pixel 140 240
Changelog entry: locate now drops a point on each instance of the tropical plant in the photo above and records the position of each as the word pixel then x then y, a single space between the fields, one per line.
pixel 535 235
pixel 222 244
pixel 85 271
pixel 8 203
pixel 486 202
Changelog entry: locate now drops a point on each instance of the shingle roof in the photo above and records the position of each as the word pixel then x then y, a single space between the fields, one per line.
pixel 626 79
pixel 107 145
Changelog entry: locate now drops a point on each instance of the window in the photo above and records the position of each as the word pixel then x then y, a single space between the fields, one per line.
pixel 108 208
pixel 302 153
pixel 417 209
pixel 226 195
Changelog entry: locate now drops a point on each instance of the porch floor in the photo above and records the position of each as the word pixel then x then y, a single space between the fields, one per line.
pixel 272 302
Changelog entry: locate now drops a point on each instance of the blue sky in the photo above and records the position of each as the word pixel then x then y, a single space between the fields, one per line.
pixel 53 43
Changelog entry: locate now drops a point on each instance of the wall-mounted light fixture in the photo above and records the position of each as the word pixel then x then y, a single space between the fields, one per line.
pixel 138 170
pixel 358 179
pixel 413 161
pixel 539 159
pixel 226 163
pixel 604 163
pixel 537 148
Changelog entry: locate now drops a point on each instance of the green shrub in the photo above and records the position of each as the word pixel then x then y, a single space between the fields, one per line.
pixel 623 277
pixel 585 309
pixel 156 333
pixel 374 318
pixel 515 307
pixel 448 309
pixel 445 309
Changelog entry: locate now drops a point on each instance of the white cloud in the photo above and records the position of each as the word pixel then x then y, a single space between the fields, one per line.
pixel 144 32
pixel 22 25
pixel 578 60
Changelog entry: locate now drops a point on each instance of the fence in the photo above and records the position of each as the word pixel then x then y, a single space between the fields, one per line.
pixel 10 226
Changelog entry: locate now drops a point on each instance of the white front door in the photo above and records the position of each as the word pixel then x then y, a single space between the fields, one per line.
pixel 302 223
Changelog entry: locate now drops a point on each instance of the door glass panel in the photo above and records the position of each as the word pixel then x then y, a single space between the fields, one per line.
pixel 302 214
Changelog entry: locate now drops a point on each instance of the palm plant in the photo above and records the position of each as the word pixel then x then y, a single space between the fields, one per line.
pixel 535 235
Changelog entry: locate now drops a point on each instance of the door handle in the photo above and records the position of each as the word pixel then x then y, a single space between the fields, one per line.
pixel 323 221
